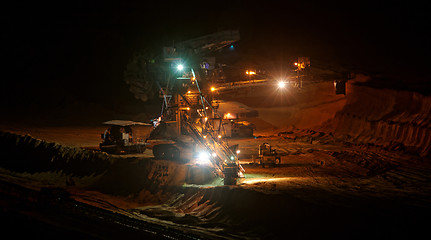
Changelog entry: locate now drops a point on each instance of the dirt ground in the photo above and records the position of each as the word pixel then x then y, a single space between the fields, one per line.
pixel 321 172
pixel 325 187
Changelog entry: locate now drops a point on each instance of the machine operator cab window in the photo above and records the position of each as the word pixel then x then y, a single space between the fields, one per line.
pixel 118 135
pixel 126 135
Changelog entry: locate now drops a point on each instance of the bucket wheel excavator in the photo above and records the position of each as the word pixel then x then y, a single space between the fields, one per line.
pixel 187 128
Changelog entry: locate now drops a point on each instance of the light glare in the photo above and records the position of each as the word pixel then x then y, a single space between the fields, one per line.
pixel 281 84
pixel 204 158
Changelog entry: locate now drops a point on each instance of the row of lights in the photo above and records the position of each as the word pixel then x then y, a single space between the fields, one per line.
pixel 281 84
pixel 205 156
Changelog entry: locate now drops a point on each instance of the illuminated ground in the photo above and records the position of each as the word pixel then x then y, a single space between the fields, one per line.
pixel 327 185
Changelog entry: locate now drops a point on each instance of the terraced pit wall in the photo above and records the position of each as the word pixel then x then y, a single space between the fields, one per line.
pixel 394 119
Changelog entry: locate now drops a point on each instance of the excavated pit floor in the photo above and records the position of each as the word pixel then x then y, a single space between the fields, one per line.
pixel 356 176
pixel 321 189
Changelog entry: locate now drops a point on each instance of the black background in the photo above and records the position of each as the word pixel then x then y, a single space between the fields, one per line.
pixel 55 54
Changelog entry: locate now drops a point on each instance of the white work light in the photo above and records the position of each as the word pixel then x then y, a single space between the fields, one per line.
pixel 281 84
pixel 204 158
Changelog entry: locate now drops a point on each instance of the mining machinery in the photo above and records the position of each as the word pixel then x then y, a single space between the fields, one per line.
pixel 268 155
pixel 151 69
pixel 123 137
pixel 185 130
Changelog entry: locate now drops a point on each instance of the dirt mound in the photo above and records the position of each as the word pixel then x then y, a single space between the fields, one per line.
pixel 235 210
pixel 27 154
pixel 56 165
pixel 389 118
pixel 241 213
pixel 397 120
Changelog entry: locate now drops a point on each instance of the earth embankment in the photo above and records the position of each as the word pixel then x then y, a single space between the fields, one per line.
pixel 394 119
pixel 391 118
pixel 51 164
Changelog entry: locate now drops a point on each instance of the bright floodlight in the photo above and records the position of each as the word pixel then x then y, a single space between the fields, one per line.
pixel 204 158
pixel 180 67
pixel 281 84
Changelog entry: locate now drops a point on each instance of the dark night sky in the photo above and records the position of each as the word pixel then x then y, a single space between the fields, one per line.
pixel 74 49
